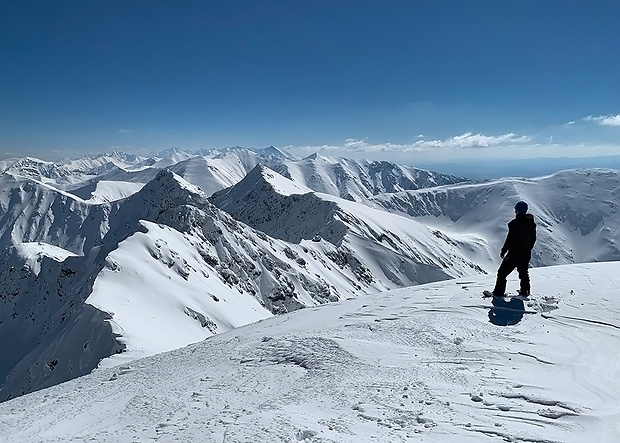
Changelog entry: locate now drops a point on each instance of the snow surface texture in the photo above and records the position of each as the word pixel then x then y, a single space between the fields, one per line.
pixel 415 364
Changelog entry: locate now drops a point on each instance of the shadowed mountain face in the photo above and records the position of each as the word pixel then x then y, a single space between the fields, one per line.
pixel 140 260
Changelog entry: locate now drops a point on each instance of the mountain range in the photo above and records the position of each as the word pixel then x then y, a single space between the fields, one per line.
pixel 116 257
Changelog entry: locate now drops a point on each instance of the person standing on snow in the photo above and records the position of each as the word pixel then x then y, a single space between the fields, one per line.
pixel 517 250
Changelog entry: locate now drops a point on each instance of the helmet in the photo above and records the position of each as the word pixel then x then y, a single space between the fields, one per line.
pixel 521 207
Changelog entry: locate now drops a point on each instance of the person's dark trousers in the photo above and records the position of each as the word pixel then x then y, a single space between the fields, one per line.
pixel 508 265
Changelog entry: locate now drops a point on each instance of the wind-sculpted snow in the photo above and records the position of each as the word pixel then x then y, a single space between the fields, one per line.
pixel 414 364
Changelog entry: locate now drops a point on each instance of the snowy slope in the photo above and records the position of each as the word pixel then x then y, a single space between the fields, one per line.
pixel 151 307
pixel 576 212
pixel 414 364
pixel 214 174
pixel 103 191
pixel 49 335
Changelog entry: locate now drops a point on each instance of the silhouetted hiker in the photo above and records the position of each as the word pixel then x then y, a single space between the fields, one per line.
pixel 517 250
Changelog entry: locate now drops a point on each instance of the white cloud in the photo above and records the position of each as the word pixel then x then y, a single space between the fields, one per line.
pixel 125 131
pixel 463 141
pixel 469 140
pixel 605 120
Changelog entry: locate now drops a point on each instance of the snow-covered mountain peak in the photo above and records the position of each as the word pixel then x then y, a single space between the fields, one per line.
pixel 99 163
pixel 37 169
pixel 172 156
pixel 168 186
pixel 170 152
pixel 259 180
pixel 166 175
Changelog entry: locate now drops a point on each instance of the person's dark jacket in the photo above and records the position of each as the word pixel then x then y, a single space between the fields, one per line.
pixel 521 238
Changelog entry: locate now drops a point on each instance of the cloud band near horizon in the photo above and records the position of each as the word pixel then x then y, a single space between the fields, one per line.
pixel 462 141
pixel 605 120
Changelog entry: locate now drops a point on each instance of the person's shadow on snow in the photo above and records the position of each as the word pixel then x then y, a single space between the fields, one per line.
pixel 506 313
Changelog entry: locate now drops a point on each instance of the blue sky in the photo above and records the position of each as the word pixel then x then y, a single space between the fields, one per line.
pixel 413 81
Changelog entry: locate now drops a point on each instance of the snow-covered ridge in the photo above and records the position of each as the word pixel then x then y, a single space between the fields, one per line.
pixel 33 254
pixel 104 191
pixel 31 211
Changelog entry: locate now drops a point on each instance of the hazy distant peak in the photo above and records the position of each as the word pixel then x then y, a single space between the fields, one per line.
pixel 173 155
pixel 170 151
pixel 226 150
pixel 109 156
pixel 273 152
pixel 36 168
